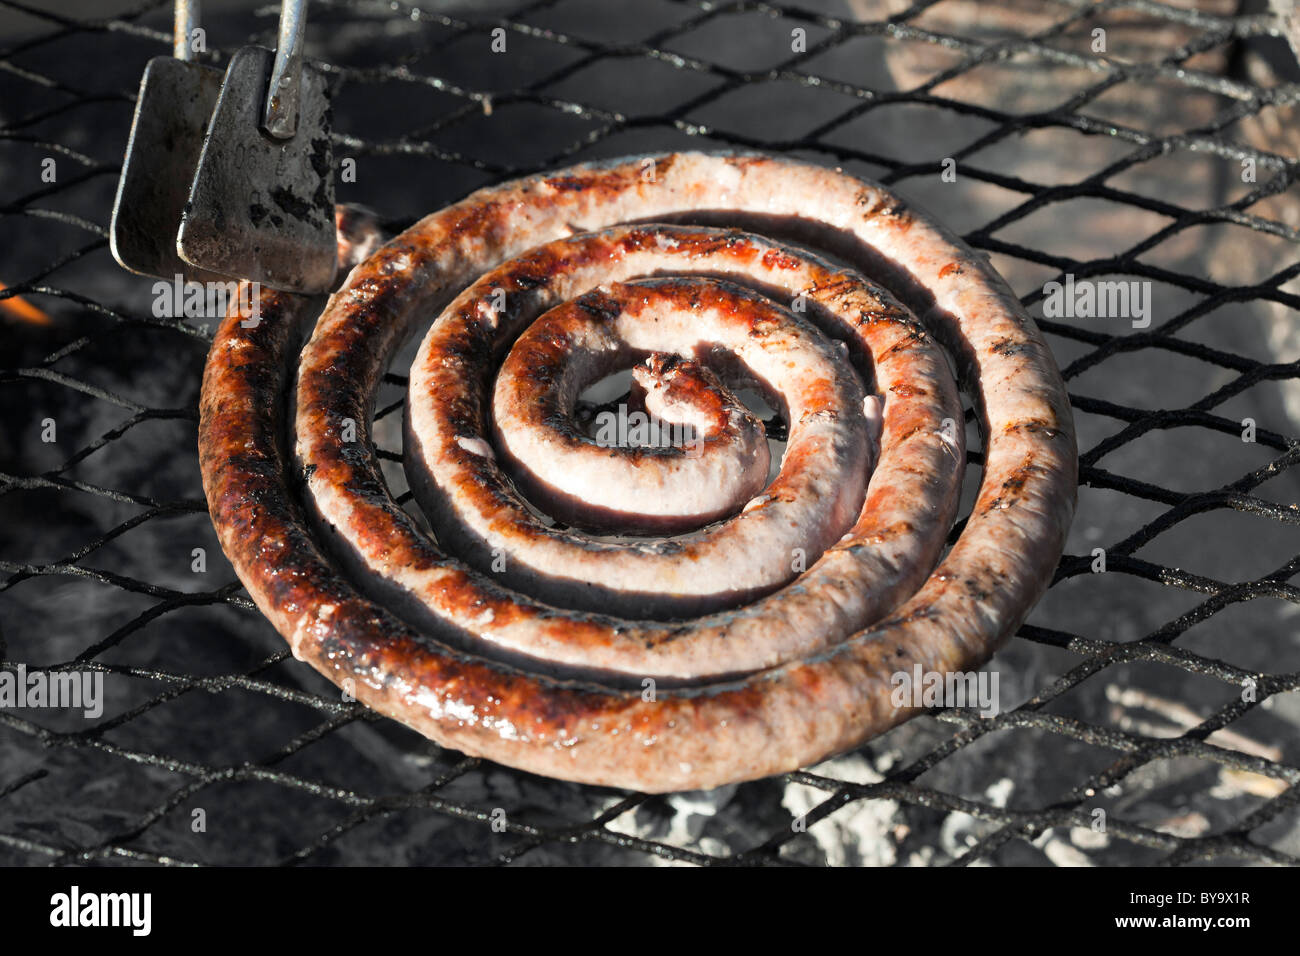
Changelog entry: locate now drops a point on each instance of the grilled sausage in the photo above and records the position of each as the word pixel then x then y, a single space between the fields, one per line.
pixel 879 561
pixel 787 679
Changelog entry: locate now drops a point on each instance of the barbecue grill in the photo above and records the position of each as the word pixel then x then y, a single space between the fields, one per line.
pixel 1149 706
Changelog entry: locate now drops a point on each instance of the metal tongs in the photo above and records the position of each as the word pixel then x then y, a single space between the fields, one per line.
pixel 251 196
pixel 172 110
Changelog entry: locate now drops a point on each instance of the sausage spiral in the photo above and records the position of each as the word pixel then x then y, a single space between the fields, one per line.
pixel 747 628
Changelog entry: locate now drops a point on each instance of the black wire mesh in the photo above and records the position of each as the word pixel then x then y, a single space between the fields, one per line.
pixel 216 747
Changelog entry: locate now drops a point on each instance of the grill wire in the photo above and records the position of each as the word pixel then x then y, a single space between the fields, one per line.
pixel 278 769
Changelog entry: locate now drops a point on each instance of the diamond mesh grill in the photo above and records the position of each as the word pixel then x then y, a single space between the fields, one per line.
pixel 1124 692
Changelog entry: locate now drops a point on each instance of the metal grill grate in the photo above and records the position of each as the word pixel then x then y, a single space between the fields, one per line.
pixel 1126 686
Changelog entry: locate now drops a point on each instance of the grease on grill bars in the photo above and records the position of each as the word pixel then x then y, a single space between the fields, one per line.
pixel 1126 711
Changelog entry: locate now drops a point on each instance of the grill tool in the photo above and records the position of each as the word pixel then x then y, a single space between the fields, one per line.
pixel 262 203
pixel 172 110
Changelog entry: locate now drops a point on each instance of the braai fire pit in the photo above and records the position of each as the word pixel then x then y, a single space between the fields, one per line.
pixel 1130 169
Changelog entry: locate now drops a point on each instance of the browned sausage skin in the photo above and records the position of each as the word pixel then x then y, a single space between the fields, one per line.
pixel 882 559
pixel 825 694
pixel 813 502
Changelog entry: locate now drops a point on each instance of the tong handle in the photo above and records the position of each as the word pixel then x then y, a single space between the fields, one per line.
pixel 185 20
pixel 282 97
